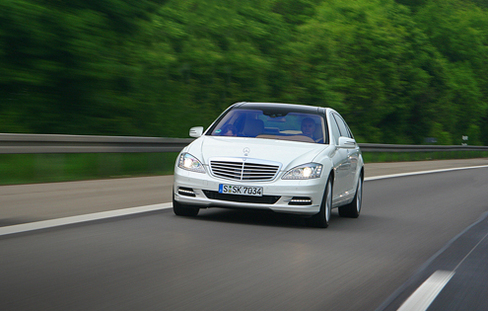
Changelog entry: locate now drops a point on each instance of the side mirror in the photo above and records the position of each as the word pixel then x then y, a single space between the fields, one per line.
pixel 346 142
pixel 196 131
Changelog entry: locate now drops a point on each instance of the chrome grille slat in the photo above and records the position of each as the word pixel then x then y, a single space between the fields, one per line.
pixel 260 170
pixel 258 173
pixel 236 165
pixel 223 169
pixel 244 169
pixel 256 165
pixel 231 176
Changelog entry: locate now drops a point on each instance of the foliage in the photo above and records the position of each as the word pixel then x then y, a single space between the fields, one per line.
pixel 399 71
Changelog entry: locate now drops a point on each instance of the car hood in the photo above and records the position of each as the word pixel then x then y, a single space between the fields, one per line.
pixel 288 153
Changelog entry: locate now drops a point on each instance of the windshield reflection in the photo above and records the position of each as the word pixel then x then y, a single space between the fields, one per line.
pixel 292 126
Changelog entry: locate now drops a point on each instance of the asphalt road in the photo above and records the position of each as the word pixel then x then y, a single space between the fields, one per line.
pixel 236 260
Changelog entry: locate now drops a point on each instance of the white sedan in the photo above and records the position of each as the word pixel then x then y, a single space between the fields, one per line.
pixel 286 158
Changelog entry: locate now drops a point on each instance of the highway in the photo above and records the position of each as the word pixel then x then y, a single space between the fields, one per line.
pixel 238 260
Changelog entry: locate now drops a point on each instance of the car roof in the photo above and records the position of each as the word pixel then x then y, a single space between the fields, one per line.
pixel 281 107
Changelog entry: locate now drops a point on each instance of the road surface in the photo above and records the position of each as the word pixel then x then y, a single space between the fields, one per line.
pixel 237 260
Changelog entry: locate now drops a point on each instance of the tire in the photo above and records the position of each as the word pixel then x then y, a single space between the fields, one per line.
pixel 183 209
pixel 353 209
pixel 322 218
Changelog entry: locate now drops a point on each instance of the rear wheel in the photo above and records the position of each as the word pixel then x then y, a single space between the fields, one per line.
pixel 183 209
pixel 353 209
pixel 322 218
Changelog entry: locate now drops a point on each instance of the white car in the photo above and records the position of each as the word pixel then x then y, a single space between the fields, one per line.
pixel 286 158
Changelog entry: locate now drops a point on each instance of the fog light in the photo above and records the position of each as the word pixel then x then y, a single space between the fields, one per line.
pixel 186 191
pixel 300 201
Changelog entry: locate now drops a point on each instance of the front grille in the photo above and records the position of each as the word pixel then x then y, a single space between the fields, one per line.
pixel 265 199
pixel 244 170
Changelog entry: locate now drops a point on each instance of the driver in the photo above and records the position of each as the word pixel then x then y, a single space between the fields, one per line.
pixel 308 127
pixel 229 130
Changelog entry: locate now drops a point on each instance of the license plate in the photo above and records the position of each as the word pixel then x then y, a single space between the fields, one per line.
pixel 241 190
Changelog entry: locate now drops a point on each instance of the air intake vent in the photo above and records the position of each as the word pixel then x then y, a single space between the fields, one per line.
pixel 265 199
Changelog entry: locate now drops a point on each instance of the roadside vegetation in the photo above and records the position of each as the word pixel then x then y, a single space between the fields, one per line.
pixel 398 71
pixel 36 168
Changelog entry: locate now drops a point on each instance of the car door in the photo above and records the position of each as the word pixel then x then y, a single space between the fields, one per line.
pixel 351 148
pixel 341 164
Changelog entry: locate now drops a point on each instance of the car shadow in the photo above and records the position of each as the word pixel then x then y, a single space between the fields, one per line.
pixel 256 217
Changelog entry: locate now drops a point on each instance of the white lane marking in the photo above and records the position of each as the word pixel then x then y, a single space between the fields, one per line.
pixel 44 224
pixel 141 209
pixel 472 250
pixel 421 299
pixel 424 172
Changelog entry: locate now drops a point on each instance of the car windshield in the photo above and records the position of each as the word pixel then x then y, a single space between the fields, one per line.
pixel 295 126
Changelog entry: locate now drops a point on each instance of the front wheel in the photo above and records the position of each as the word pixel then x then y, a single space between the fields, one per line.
pixel 353 209
pixel 184 210
pixel 322 218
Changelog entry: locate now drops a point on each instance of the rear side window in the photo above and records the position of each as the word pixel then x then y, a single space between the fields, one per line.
pixel 343 128
pixel 335 130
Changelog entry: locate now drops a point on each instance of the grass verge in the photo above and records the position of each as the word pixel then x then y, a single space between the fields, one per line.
pixel 375 157
pixel 37 168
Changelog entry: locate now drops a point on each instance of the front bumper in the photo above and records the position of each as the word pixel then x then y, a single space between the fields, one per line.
pixel 202 190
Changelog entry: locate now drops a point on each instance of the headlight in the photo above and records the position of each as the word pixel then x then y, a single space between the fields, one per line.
pixel 190 163
pixel 305 171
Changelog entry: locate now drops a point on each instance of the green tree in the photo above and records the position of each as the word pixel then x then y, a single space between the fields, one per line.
pixel 399 70
pixel 69 67
pixel 369 60
pixel 458 30
pixel 224 52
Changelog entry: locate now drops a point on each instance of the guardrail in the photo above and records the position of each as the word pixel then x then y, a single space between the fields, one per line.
pixel 418 148
pixel 52 143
